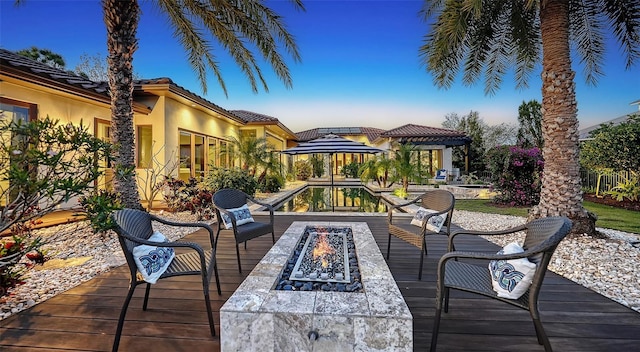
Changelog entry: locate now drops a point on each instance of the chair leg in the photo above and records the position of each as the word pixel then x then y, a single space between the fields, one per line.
pixel 388 246
pixel 238 255
pixel 123 313
pixel 273 237
pixel 422 252
pixel 446 300
pixel 207 302
pixel 540 333
pixel 436 328
pixel 146 296
pixel 215 272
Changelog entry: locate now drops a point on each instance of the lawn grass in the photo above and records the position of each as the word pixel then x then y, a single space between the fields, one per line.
pixel 608 217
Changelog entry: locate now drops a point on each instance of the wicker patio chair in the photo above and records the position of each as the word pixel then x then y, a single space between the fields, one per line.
pixel 226 199
pixel 441 201
pixel 134 227
pixel 542 238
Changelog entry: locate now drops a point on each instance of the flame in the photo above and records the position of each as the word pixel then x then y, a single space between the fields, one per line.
pixel 322 249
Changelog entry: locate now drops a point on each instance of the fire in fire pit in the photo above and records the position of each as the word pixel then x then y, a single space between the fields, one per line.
pixel 324 259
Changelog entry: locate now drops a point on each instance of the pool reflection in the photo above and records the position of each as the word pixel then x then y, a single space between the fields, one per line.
pixel 338 199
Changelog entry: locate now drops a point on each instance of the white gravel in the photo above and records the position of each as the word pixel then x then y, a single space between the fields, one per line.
pixel 608 266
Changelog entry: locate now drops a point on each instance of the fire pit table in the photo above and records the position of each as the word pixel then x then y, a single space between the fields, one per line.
pixel 350 303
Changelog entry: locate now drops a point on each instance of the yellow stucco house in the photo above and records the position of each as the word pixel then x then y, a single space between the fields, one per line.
pixel 171 124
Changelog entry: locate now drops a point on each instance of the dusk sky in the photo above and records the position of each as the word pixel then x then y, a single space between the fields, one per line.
pixel 359 66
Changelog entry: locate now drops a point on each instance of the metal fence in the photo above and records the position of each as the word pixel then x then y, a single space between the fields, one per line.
pixel 608 180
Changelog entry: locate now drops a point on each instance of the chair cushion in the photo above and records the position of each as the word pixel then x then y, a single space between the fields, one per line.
pixel 434 223
pixel 252 230
pixel 511 278
pixel 242 215
pixel 152 261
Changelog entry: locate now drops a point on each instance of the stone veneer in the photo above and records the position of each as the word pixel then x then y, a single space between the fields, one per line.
pixel 258 318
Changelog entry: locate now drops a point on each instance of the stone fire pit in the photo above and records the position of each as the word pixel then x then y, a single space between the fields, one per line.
pixel 259 318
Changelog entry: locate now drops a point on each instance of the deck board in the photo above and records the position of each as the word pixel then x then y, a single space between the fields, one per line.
pixel 84 318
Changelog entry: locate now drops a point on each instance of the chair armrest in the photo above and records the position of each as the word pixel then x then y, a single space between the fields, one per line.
pixel 483 233
pixel 175 244
pixel 189 224
pixel 392 207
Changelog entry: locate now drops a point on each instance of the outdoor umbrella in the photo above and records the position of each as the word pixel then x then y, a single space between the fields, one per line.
pixel 331 144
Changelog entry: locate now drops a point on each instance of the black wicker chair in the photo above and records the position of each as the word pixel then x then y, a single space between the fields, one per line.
pixel 439 200
pixel 225 199
pixel 134 227
pixel 542 238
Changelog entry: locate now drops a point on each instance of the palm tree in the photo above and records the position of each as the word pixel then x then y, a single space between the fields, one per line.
pixel 238 25
pixel 251 151
pixel 487 37
pixel 404 161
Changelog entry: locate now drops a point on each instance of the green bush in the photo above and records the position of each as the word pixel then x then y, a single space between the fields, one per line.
pixel 629 189
pixel 351 170
pixel 271 183
pixel 236 178
pixel 317 164
pixel 303 170
pixel 516 174
pixel 98 207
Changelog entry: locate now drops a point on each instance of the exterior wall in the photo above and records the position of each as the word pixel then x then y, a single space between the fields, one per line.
pixel 59 106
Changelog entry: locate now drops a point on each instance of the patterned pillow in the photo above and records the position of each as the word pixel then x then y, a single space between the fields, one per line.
pixel 242 215
pixel 511 278
pixel 435 222
pixel 153 261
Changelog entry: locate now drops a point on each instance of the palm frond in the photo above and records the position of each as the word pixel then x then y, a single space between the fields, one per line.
pixel 624 16
pixel 586 30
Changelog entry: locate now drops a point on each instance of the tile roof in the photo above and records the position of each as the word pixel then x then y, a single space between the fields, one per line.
pixel 370 132
pixel 411 130
pixel 418 134
pixel 11 62
pixel 140 83
pixel 250 116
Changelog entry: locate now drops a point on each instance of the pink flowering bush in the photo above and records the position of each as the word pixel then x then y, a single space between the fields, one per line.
pixel 516 174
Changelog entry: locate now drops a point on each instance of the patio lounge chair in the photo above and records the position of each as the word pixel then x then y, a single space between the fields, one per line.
pixel 227 202
pixel 439 200
pixel 134 227
pixel 542 238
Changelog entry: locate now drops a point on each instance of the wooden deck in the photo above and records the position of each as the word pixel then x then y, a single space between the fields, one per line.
pixel 84 318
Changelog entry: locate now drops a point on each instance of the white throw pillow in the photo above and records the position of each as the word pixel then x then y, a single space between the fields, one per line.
pixel 153 261
pixel 242 214
pixel 435 222
pixel 511 278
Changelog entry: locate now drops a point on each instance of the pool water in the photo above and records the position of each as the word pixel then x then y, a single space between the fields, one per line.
pixel 338 199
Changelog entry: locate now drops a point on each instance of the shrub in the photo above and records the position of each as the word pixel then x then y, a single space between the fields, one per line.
pixel 189 196
pixel 236 178
pixel 629 189
pixel 303 170
pixel 98 207
pixel 516 174
pixel 351 170
pixel 271 183
pixel 317 164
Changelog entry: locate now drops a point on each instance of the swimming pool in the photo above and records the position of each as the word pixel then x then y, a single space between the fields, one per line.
pixel 329 199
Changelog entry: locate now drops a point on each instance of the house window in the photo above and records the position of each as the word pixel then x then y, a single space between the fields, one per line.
pixel 144 145
pixel 102 130
pixel 193 155
pixel 16 111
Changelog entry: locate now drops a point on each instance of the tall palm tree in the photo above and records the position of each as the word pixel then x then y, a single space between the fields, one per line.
pixel 237 25
pixel 487 37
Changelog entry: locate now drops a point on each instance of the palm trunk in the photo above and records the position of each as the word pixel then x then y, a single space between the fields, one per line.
pixel 561 190
pixel 121 19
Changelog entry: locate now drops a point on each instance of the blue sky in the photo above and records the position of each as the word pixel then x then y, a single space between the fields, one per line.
pixel 359 66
